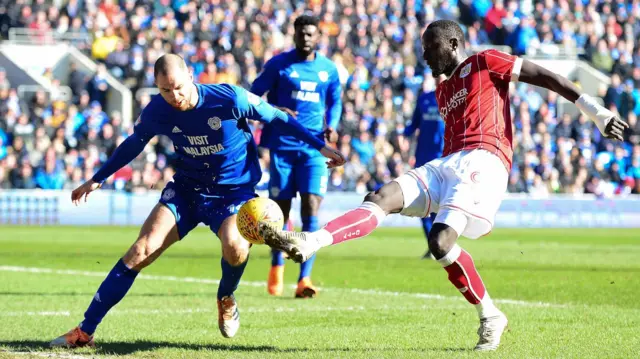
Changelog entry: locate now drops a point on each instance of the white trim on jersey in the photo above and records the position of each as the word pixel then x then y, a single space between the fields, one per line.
pixel 456 69
pixel 515 72
pixel 479 102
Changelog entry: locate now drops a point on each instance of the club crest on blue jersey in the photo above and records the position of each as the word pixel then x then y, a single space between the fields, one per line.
pixel 168 194
pixel 323 76
pixel 215 123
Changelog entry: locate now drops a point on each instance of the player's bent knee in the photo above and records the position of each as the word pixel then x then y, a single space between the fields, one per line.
pixel 158 233
pixel 388 197
pixel 139 254
pixel 441 239
pixel 235 249
pixel 235 256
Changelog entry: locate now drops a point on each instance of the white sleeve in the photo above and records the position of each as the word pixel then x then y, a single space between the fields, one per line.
pixel 515 72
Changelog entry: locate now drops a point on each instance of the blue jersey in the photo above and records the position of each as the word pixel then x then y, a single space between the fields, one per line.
pixel 426 117
pixel 312 88
pixel 213 141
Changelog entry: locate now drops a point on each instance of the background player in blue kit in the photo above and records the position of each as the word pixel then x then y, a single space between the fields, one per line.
pixel 306 82
pixel 427 120
pixel 216 173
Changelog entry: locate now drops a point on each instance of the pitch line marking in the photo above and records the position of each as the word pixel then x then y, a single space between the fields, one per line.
pixel 306 309
pixel 263 284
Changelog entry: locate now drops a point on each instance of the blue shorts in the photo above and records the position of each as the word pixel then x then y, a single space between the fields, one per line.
pixel 192 208
pixel 297 172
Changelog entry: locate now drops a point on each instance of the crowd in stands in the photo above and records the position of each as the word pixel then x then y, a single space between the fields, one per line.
pixel 52 144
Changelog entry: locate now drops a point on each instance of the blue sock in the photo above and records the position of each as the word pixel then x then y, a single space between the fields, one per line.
pixel 111 291
pixel 230 278
pixel 427 223
pixel 309 224
pixel 277 257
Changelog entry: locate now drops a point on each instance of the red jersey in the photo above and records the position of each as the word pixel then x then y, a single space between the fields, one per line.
pixel 474 103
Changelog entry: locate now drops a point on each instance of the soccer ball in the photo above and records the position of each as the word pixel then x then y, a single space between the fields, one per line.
pixel 258 210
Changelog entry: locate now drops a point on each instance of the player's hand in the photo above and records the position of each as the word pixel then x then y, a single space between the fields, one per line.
pixel 84 190
pixel 331 135
pixel 615 128
pixel 289 111
pixel 336 159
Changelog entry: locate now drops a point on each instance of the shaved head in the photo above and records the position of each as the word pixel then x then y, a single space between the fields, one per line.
pixel 175 82
pixel 168 64
pixel 443 46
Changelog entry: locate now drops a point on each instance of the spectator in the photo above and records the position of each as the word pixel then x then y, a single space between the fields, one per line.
pixel 104 44
pixel 364 147
pixel 117 60
pixel 602 59
pixel 50 176
pixel 4 81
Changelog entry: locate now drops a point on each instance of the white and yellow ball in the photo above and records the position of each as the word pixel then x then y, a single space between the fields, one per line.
pixel 258 210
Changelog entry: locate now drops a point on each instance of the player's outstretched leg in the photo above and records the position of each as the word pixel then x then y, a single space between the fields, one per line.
pixel 354 224
pixel 427 223
pixel 464 276
pixel 235 255
pixel 158 233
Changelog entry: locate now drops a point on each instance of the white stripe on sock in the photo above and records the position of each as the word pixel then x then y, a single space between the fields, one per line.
pixel 375 209
pixel 451 257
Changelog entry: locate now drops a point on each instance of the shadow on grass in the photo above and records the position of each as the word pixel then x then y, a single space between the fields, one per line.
pixel 126 348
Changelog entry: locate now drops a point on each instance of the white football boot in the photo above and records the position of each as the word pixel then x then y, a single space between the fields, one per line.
pixel 228 316
pixel 299 246
pixel 490 332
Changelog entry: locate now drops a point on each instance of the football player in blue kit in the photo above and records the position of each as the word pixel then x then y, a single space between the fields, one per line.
pixel 427 120
pixel 308 83
pixel 216 172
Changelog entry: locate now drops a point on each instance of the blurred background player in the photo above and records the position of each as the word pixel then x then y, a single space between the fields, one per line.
pixel 217 172
pixel 306 82
pixel 466 186
pixel 427 120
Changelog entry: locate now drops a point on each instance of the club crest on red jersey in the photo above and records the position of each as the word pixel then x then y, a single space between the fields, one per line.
pixel 465 71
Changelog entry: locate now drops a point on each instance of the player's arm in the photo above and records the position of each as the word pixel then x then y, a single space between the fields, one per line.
pixel 334 105
pixel 251 106
pixel 266 80
pixel 607 122
pixel 129 149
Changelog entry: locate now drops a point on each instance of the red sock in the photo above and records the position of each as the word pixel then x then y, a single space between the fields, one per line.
pixel 463 274
pixel 356 223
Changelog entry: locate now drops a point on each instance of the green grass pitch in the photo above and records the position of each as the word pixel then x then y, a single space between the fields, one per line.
pixel 567 293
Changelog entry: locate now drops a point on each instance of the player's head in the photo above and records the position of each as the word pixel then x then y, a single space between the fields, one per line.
pixel 174 81
pixel 442 42
pixel 306 34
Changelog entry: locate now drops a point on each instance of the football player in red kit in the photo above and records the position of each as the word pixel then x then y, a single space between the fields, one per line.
pixel 465 187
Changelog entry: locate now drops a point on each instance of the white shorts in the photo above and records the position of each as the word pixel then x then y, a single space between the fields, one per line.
pixel 465 189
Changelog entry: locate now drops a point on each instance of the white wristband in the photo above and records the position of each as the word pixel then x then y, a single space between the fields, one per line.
pixel 594 111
